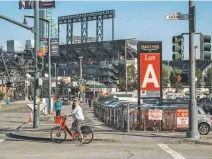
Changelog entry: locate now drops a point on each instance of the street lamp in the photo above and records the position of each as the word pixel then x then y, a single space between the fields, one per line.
pixel 49 54
pixel 81 66
pixel 125 51
pixel 55 69
pixel 80 74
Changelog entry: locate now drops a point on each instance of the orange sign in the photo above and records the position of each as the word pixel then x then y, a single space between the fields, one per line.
pixel 150 71
pixel 182 118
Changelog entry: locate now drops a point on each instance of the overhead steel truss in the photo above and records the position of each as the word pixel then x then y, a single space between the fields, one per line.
pixel 99 17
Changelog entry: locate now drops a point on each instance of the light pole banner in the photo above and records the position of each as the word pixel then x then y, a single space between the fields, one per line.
pixel 54 45
pixel 30 4
pixel 150 67
pixel 44 46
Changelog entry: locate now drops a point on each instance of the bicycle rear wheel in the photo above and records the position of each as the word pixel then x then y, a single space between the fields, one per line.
pixel 58 135
pixel 87 134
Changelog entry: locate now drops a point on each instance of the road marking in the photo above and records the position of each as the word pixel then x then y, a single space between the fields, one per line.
pixel 1 140
pixel 171 152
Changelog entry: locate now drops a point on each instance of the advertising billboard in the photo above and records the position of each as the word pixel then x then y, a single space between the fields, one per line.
pixel 30 4
pixel 44 46
pixel 54 45
pixel 150 66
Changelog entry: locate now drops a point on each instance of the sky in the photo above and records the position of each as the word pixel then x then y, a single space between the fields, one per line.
pixel 142 20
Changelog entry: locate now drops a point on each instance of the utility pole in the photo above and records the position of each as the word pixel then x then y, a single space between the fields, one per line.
pixel 81 66
pixel 36 121
pixel 125 50
pixel 50 67
pixel 193 122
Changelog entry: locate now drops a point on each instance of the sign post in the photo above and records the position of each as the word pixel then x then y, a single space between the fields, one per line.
pixel 149 68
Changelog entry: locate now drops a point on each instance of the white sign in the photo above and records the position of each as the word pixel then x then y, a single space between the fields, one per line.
pixel 177 16
pixel 74 83
pixel 155 114
pixel 182 122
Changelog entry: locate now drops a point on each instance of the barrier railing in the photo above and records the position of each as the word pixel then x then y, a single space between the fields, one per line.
pixel 126 118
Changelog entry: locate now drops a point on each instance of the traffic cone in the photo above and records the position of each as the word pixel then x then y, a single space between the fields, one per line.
pixel 30 117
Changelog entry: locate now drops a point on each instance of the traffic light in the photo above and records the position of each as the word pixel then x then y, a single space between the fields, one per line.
pixel 40 60
pixel 205 47
pixel 177 48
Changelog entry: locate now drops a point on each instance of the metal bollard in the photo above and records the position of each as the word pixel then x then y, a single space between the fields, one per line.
pixel 128 118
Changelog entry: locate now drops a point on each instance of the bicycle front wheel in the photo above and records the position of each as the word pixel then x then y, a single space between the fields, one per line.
pixel 58 135
pixel 87 134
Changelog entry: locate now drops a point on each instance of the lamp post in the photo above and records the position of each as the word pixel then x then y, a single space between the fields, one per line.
pixel 55 69
pixel 49 54
pixel 80 76
pixel 125 52
pixel 81 66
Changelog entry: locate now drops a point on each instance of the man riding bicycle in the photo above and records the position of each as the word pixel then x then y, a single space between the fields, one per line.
pixel 78 117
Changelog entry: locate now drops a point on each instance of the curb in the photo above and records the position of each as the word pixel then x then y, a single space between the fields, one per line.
pixel 13 134
pixel 188 141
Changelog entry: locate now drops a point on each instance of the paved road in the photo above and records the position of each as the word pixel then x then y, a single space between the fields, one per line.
pixel 143 148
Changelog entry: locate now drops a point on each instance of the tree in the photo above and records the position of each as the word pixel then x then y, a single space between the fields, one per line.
pixel 199 77
pixel 165 77
pixel 172 78
pixel 208 78
pixel 131 79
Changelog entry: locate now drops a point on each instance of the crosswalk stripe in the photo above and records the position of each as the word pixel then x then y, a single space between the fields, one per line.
pixel 1 140
pixel 171 152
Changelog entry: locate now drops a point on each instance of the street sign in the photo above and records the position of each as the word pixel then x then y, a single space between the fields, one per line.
pixel 177 16
pixel 150 66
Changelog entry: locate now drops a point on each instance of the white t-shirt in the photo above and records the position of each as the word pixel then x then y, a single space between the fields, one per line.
pixel 77 113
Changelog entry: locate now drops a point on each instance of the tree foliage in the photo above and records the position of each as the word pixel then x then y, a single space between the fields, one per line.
pixel 208 78
pixel 199 77
pixel 131 79
pixel 165 77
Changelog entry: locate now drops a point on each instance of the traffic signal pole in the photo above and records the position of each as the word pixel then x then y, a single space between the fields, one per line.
pixel 36 121
pixel 193 122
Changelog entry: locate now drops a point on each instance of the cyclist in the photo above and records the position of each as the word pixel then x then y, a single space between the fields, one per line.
pixel 78 117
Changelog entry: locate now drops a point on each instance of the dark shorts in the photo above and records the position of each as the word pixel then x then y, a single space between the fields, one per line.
pixel 77 124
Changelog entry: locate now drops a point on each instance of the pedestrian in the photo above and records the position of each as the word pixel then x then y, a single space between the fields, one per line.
pixel 89 102
pixel 58 106
pixel 78 117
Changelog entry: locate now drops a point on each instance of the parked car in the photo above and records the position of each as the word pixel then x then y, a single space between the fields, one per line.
pixel 204 119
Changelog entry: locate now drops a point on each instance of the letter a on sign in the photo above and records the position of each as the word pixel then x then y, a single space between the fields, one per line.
pixel 150 71
pixel 150 77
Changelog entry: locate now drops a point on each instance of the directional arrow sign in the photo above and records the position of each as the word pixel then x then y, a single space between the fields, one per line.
pixel 177 16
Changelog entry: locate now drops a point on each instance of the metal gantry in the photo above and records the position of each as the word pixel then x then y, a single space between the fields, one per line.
pixel 99 17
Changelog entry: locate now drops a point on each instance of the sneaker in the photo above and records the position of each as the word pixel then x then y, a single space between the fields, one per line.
pixel 82 140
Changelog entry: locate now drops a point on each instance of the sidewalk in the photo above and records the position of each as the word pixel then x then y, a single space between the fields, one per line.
pixel 104 133
pixel 14 105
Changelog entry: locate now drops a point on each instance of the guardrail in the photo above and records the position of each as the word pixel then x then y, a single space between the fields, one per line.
pixel 126 118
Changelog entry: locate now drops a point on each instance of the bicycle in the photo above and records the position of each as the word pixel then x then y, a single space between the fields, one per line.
pixel 63 129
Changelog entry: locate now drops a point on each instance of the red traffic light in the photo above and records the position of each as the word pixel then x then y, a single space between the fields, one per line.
pixel 40 53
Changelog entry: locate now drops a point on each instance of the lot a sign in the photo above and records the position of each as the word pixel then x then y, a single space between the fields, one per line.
pixel 149 63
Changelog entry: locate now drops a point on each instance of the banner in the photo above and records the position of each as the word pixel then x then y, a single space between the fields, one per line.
pixel 44 46
pixel 30 4
pixel 155 114
pixel 182 118
pixel 150 65
pixel 54 45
